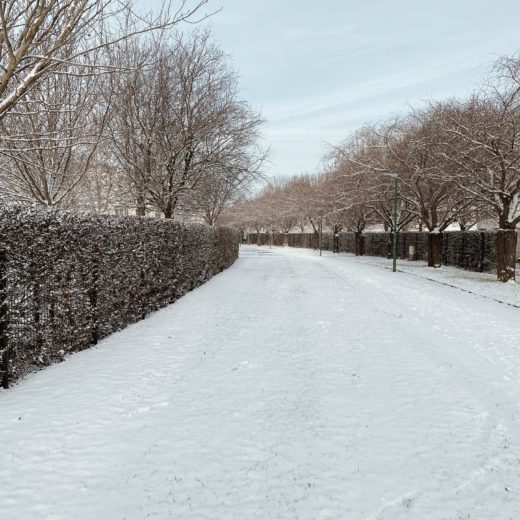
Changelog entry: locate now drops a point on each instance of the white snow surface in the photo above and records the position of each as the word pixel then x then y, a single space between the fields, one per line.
pixel 482 284
pixel 291 386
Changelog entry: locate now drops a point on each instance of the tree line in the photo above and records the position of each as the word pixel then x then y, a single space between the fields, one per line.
pixel 454 162
pixel 107 110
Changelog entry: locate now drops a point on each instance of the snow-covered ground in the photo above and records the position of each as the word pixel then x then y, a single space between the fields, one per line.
pixel 483 284
pixel 292 386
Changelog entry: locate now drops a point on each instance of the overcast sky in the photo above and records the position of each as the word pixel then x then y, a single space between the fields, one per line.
pixel 318 70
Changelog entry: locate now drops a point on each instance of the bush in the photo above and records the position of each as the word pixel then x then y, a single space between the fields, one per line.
pixel 71 279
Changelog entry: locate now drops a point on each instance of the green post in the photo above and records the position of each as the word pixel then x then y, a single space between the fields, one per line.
pixel 321 233
pixel 394 237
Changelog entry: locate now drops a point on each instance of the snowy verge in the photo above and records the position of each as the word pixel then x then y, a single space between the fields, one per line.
pixel 481 284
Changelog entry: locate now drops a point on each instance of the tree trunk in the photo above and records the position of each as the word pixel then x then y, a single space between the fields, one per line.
pixel 389 244
pixel 335 239
pixel 360 244
pixel 168 213
pixel 506 252
pixel 434 249
pixel 316 240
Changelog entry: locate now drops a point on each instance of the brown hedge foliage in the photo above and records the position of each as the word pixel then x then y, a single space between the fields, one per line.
pixel 71 279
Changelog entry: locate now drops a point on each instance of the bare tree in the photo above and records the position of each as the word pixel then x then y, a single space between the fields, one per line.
pixel 137 115
pixel 367 157
pixel 102 189
pixel 348 190
pixel 482 144
pixel 220 188
pixel 39 37
pixel 297 194
pixel 181 126
pixel 415 152
pixel 50 139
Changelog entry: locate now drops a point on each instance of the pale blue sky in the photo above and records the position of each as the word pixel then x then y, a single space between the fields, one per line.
pixel 318 70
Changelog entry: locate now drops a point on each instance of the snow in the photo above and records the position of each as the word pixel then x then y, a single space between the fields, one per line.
pixel 291 386
pixel 481 284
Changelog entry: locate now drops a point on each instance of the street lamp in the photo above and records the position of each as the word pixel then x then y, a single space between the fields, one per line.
pixel 394 238
pixel 394 223
pixel 321 234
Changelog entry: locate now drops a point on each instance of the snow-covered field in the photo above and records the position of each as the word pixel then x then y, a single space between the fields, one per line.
pixel 289 387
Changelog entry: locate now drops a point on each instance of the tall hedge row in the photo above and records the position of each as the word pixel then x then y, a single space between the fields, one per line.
pixel 69 279
pixel 470 250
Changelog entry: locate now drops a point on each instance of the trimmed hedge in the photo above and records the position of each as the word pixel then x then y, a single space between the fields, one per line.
pixel 470 250
pixel 69 279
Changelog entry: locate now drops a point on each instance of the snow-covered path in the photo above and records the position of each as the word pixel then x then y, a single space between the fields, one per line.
pixel 289 387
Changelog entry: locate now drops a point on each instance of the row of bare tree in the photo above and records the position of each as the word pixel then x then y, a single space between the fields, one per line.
pixel 454 162
pixel 102 108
